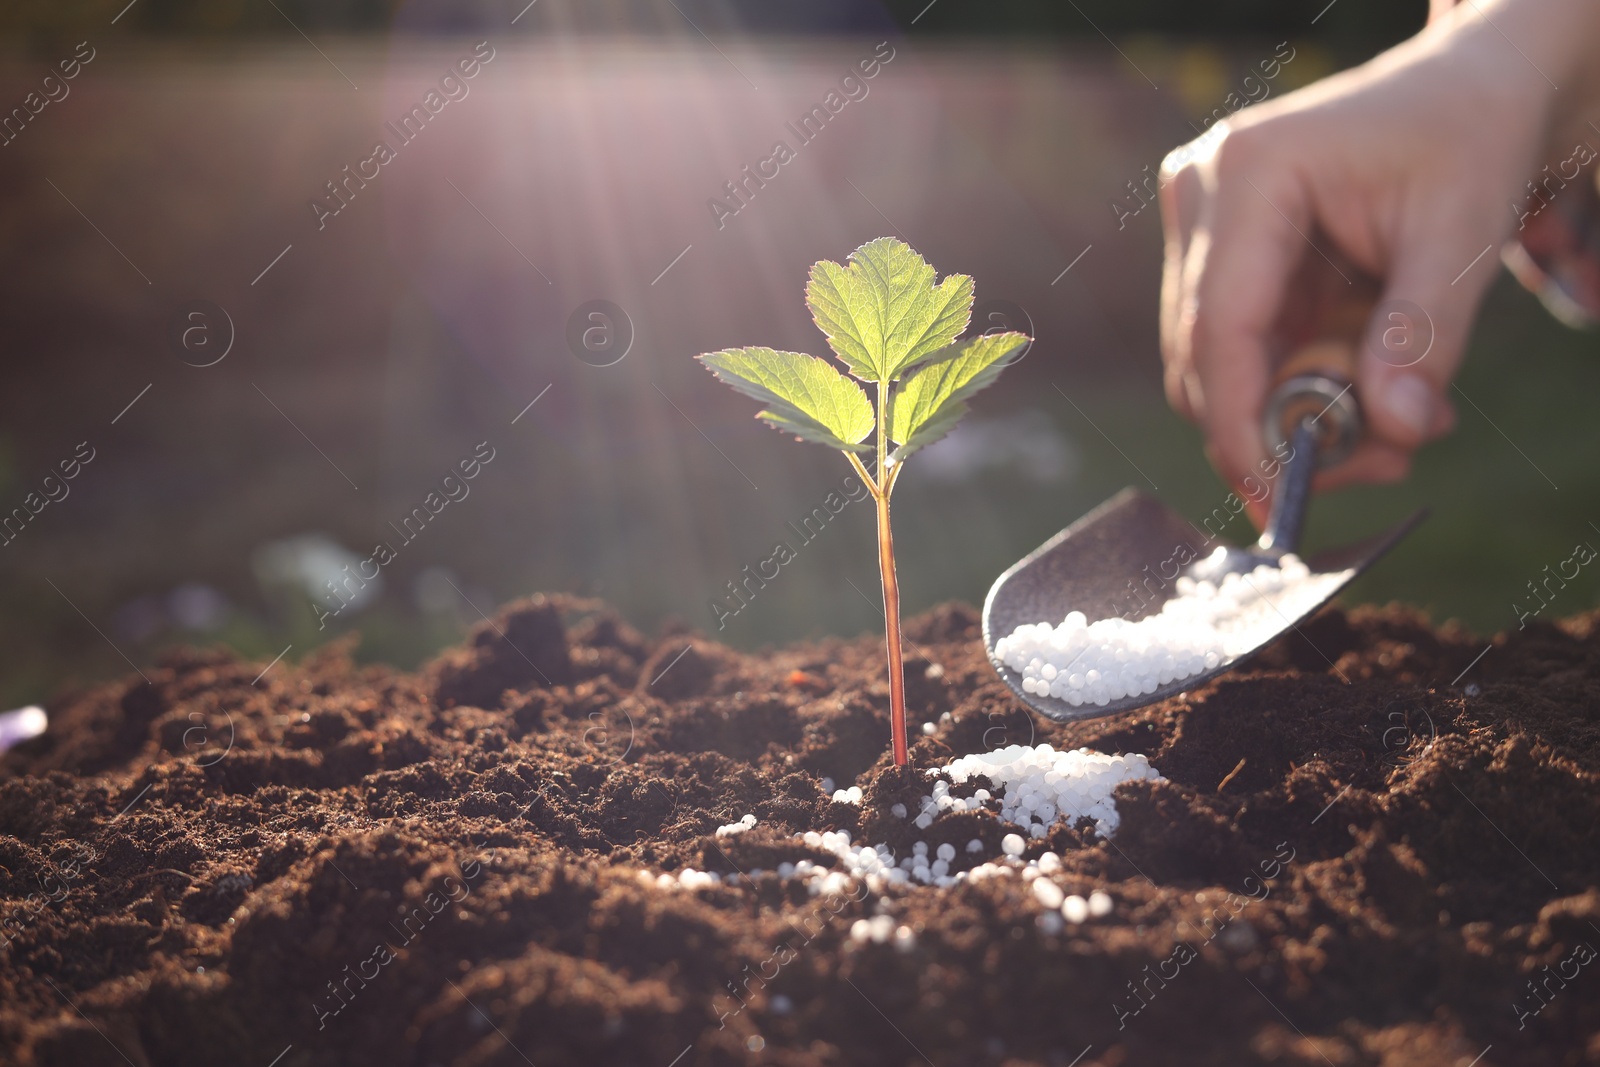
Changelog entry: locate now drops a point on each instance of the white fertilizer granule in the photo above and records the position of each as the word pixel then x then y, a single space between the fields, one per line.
pixel 739 827
pixel 1208 624
pixel 1048 893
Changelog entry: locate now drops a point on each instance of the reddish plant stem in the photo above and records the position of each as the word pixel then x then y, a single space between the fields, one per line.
pixel 891 618
pixel 881 487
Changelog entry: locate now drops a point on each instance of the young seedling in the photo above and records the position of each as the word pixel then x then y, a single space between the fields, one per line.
pixel 893 328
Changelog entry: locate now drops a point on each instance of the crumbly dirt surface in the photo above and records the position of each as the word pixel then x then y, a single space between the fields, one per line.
pixel 1351 861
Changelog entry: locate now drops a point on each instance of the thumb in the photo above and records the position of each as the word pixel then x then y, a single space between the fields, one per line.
pixel 1417 335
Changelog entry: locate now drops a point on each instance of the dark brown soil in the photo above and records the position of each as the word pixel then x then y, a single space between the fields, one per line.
pixel 1352 861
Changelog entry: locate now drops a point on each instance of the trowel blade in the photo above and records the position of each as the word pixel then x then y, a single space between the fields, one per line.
pixel 1121 559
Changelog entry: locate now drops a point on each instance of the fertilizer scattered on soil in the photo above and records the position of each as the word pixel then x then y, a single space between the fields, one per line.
pixel 1208 624
pixel 1038 789
pixel 1040 786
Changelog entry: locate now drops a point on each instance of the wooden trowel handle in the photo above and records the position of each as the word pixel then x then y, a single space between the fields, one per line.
pixel 1315 383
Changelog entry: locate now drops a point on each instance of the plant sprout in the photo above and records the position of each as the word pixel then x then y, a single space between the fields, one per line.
pixel 893 328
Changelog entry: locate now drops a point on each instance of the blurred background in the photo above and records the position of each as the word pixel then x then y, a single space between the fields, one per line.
pixel 275 344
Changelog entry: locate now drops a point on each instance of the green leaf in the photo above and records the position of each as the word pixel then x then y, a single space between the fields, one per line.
pixel 883 314
pixel 932 399
pixel 805 395
pixel 942 422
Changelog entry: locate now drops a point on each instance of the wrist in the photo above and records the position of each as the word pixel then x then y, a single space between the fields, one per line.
pixel 1535 54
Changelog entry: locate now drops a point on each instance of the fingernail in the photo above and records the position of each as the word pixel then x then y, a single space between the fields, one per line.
pixel 1408 400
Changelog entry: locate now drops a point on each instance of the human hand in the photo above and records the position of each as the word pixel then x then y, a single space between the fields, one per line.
pixel 1405 169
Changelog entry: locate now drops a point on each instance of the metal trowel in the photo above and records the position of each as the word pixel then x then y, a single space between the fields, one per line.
pixel 1123 558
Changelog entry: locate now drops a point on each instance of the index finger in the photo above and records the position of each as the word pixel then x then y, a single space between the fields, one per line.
pixel 1253 237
